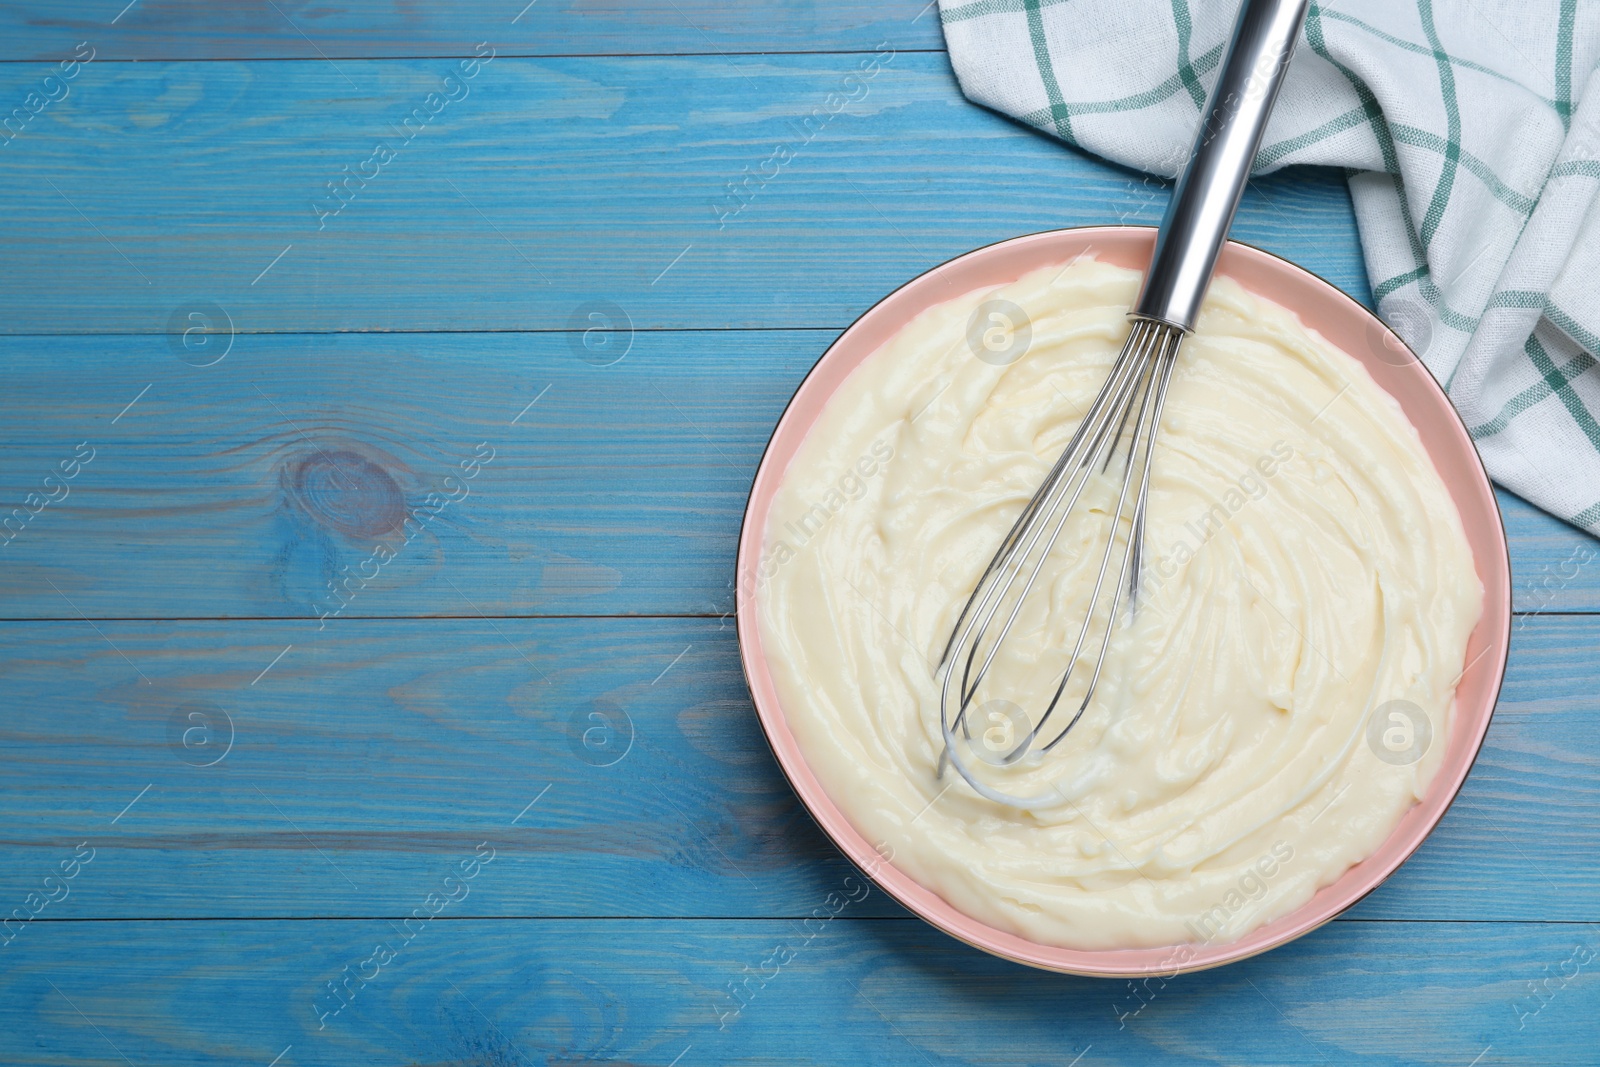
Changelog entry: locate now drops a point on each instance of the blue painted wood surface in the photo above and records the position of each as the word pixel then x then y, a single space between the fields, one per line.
pixel 266 795
pixel 551 184
pixel 648 991
pixel 307 29
pixel 217 515
pixel 371 751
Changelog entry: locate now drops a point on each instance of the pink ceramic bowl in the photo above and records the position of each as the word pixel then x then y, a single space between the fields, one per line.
pixel 1322 308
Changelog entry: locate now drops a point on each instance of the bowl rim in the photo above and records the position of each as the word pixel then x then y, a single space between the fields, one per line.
pixel 1130 963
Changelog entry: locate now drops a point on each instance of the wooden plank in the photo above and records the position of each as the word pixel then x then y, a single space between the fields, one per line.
pixel 1495 826
pixel 1554 566
pixel 370 753
pixel 619 491
pixel 246 487
pixel 366 755
pixel 167 29
pixel 660 992
pixel 550 185
pixel 366 760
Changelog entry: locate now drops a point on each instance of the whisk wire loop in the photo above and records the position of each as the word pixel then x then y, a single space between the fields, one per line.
pixel 1135 390
pixel 1129 405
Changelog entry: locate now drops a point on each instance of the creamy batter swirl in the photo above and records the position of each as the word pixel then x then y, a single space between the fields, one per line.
pixel 1282 696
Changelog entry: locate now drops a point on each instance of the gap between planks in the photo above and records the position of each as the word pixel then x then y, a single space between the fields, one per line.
pixel 707 919
pixel 501 55
pixel 349 619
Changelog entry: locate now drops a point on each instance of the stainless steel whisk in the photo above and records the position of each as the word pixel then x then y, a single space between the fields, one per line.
pixel 1126 415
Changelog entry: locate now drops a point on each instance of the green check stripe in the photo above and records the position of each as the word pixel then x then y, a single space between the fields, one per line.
pixel 1380 129
pixel 989 7
pixel 1516 298
pixel 1274 152
pixel 1448 316
pixel 1168 88
pixel 1420 138
pixel 1589 168
pixel 1414 137
pixel 1563 390
pixel 1571 327
pixel 1057 118
pixel 1509 298
pixel 1399 281
pixel 1563 101
pixel 1534 394
pixel 1409 46
pixel 1452 113
pixel 1183 24
pixel 1587 517
pixel 1188 77
pixel 1553 378
pixel 1047 73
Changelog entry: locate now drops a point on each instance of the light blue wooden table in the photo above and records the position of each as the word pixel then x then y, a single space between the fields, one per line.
pixel 491 404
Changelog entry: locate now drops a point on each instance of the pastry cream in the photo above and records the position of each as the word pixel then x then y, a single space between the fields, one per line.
pixel 1276 704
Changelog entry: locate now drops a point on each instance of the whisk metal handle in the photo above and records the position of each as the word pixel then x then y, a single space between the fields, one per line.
pixel 1212 180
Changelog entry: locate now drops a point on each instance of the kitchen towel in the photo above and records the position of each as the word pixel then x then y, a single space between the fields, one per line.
pixel 1470 130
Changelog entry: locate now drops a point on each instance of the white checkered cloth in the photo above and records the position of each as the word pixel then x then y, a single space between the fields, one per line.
pixel 1471 130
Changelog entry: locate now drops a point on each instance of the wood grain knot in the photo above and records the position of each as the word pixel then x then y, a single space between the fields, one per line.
pixel 343 489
